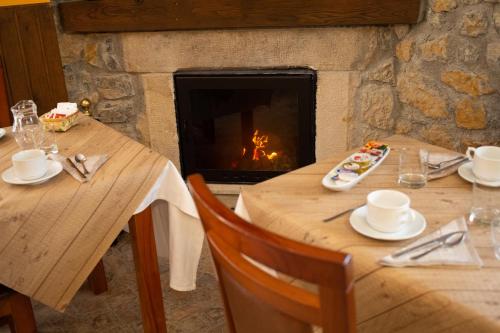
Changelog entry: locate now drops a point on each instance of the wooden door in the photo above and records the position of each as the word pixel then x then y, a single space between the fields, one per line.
pixel 4 102
pixel 30 56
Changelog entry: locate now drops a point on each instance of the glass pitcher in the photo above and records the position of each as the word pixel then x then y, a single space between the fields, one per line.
pixel 27 129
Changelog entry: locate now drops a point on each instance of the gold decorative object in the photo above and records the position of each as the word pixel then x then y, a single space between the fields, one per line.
pixel 85 106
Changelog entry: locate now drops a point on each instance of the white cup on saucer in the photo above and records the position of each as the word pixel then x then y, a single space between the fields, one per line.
pixel 388 210
pixel 485 162
pixel 29 164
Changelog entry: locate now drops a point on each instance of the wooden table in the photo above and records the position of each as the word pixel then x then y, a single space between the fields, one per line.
pixel 52 235
pixel 436 299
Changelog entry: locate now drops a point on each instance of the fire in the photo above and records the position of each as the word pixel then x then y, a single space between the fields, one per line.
pixel 260 143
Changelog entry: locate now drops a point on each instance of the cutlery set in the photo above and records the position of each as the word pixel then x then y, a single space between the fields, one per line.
pixel 447 240
pixel 79 158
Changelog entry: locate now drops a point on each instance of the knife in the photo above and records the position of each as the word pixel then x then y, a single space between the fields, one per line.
pixel 76 168
pixel 432 241
pixel 331 218
pixel 448 166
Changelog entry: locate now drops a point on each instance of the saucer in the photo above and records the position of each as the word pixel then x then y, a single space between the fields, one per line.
pixel 2 132
pixel 465 171
pixel 409 230
pixel 53 169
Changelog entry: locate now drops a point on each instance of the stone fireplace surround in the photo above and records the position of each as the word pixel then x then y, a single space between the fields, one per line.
pixel 334 53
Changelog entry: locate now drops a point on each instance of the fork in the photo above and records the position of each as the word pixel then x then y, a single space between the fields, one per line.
pixel 440 164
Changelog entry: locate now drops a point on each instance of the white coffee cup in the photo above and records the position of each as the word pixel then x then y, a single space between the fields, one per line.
pixel 485 162
pixel 388 210
pixel 29 164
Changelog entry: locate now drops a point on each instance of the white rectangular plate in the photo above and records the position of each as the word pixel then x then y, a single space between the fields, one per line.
pixel 340 185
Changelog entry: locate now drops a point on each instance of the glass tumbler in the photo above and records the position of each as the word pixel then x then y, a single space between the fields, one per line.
pixel 495 235
pixel 485 203
pixel 49 143
pixel 413 167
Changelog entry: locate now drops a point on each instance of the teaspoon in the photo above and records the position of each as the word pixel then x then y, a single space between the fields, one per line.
pixel 80 158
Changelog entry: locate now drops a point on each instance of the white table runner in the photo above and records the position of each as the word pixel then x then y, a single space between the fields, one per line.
pixel 178 231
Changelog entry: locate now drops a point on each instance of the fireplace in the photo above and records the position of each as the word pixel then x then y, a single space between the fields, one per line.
pixel 245 126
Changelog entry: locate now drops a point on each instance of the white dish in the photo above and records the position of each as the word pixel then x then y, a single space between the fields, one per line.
pixel 341 185
pixel 53 169
pixel 465 171
pixel 2 132
pixel 409 230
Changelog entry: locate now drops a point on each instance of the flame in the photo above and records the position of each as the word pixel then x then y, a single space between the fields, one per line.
pixel 260 143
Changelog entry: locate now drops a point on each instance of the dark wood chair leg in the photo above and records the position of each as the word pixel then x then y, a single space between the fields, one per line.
pixel 148 274
pixel 97 279
pixel 22 319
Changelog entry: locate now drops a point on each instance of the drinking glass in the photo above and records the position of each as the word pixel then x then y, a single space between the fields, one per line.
pixel 413 167
pixel 495 235
pixel 485 203
pixel 49 143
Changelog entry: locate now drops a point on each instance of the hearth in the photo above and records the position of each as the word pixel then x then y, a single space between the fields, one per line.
pixel 245 126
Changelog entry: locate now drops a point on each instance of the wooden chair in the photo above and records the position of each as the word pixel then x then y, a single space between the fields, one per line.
pixel 258 302
pixel 16 309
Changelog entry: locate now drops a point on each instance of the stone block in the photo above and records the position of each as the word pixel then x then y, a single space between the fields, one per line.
pixel 71 47
pixel 401 30
pixel 474 23
pixel 161 126
pixel 115 86
pixel 477 141
pixel 496 15
pixel 438 135
pixel 334 93
pixel 321 48
pixel 79 84
pixel 468 53
pixel 404 50
pixel 90 53
pixel 377 104
pixel 493 55
pixel 110 53
pixel 403 127
pixel 467 82
pixel 414 92
pixel 470 114
pixel 115 111
pixel 384 72
pixel 443 5
pixel 435 49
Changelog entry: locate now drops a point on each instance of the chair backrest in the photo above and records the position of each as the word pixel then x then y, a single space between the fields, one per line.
pixel 256 301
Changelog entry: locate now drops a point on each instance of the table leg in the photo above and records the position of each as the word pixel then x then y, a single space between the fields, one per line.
pixel 148 274
pixel 97 279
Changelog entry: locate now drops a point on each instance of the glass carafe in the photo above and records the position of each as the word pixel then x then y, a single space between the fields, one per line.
pixel 27 129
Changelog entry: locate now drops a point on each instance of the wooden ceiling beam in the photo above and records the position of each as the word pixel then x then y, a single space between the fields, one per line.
pixel 157 15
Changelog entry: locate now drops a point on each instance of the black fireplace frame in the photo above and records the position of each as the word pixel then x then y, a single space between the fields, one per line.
pixel 302 79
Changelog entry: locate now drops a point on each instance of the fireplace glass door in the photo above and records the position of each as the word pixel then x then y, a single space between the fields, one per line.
pixel 245 126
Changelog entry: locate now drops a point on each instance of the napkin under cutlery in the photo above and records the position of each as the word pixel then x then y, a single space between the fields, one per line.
pixel 463 254
pixel 93 163
pixel 447 168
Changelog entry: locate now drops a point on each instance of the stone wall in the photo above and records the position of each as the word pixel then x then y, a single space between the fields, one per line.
pixel 441 82
pixel 437 81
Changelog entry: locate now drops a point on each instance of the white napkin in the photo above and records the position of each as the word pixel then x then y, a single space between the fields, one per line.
pixel 463 254
pixel 441 157
pixel 93 163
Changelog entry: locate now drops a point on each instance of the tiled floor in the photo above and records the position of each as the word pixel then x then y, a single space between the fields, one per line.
pixel 118 309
